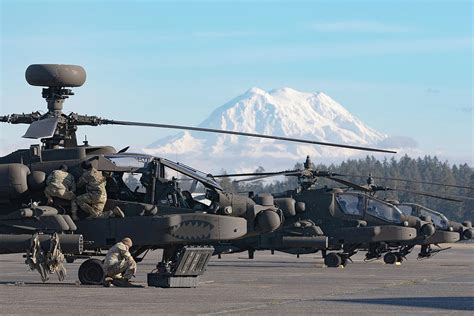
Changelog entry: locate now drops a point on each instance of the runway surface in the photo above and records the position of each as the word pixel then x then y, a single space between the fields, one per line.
pixel 269 284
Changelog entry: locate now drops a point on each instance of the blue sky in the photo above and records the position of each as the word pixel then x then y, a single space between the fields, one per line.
pixel 404 67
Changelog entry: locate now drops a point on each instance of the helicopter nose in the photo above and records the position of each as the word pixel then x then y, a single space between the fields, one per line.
pixel 427 230
pixel 267 221
pixel 468 233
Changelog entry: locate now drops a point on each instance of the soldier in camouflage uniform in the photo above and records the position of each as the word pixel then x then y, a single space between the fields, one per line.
pixel 119 264
pixel 93 201
pixel 60 184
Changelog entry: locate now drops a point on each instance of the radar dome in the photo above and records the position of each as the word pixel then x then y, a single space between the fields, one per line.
pixel 52 75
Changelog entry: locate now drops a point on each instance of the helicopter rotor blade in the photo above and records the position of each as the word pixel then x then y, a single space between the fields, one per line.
pixel 409 181
pixel 123 150
pixel 350 184
pixel 436 196
pixel 211 130
pixel 269 174
pixel 253 178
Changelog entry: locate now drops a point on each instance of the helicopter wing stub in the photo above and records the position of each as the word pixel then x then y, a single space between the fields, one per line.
pixel 42 129
pixel 211 130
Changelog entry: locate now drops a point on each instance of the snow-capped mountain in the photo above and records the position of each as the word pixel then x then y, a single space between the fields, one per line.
pixel 280 112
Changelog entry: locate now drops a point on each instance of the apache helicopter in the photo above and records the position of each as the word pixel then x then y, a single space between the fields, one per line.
pixel 159 215
pixel 464 229
pixel 441 222
pixel 446 231
pixel 351 220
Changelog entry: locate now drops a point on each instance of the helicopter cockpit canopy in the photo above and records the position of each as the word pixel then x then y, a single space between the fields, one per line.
pixel 360 204
pixel 438 219
pixel 206 179
pixel 137 161
pixel 382 210
pixel 351 204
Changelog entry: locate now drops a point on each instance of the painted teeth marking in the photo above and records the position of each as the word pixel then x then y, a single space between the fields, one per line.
pixel 192 230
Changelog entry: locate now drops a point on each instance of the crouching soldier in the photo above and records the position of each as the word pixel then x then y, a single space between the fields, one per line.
pixel 119 265
pixel 60 184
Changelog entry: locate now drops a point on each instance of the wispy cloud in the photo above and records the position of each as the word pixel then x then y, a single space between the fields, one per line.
pixel 398 142
pixel 433 91
pixel 357 26
pixel 465 109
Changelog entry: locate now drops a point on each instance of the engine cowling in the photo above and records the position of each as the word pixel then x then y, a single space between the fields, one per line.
pixel 13 180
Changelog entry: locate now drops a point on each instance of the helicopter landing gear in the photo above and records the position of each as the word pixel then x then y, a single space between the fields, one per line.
pixel 251 253
pixel 335 260
pixel 375 251
pixel 91 272
pixel 397 257
pixel 392 258
pixel 427 252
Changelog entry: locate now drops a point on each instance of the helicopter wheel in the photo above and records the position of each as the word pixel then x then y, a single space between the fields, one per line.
pixel 390 258
pixel 333 260
pixel 91 272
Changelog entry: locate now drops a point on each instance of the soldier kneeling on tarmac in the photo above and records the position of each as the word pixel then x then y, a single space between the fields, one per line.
pixel 93 201
pixel 119 265
pixel 60 184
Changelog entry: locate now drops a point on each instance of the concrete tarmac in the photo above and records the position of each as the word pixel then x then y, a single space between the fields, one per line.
pixel 269 284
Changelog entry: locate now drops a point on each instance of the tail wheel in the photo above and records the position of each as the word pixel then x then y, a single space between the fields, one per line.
pixel 333 260
pixel 91 272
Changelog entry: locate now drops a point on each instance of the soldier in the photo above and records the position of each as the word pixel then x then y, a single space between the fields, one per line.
pixel 119 265
pixel 60 184
pixel 93 201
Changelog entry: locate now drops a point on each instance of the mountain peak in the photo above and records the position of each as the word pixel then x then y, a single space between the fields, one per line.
pixel 255 90
pixel 284 90
pixel 279 112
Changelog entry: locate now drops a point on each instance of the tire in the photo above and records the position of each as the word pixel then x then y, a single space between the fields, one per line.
pixel 91 272
pixel 333 260
pixel 399 257
pixel 390 258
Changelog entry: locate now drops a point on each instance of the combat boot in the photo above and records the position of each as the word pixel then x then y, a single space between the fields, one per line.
pixel 105 214
pixel 125 283
pixel 94 216
pixel 108 281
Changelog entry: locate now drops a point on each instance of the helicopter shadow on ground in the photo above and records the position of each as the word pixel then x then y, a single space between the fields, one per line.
pixel 45 284
pixel 438 302
pixel 273 264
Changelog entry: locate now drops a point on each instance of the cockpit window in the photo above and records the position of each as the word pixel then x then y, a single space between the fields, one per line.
pixel 132 181
pixel 439 220
pixel 383 211
pixel 407 210
pixel 138 161
pixel 351 204
pixel 180 170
